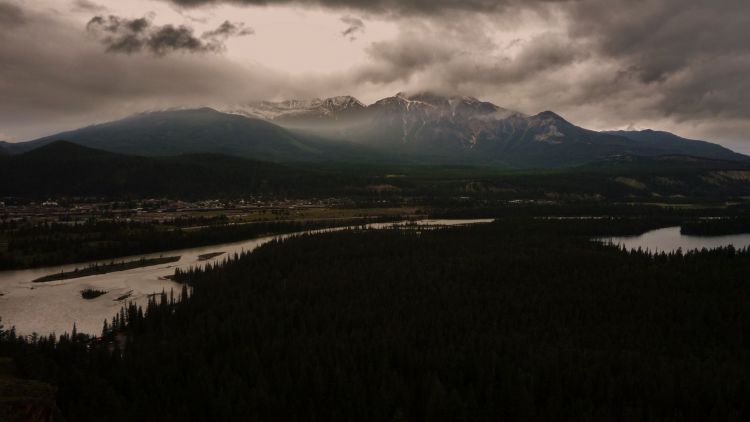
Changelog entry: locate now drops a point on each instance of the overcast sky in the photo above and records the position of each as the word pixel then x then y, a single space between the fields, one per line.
pixel 677 65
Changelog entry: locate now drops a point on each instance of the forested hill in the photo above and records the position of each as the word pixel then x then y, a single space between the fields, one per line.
pixel 64 168
pixel 457 324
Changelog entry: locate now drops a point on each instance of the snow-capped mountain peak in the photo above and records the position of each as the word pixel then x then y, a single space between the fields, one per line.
pixel 343 102
pixel 315 108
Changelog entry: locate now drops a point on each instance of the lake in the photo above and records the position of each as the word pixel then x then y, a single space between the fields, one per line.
pixel 54 306
pixel 669 239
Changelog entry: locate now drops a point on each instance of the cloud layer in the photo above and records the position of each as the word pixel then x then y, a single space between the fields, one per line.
pixel 393 7
pixel 670 64
pixel 54 76
pixel 354 26
pixel 691 53
pixel 122 35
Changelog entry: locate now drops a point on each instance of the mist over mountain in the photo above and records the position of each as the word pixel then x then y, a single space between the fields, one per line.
pixel 422 128
pixel 204 130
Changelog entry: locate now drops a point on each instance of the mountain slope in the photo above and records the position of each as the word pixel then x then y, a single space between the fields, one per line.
pixel 484 133
pixel 198 131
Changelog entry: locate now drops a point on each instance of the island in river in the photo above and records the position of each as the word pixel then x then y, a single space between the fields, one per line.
pixel 97 269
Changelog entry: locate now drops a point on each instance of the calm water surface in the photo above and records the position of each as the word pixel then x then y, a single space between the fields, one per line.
pixel 670 239
pixel 54 306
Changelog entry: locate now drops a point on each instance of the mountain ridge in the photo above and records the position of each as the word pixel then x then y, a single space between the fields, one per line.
pixel 455 128
pixel 422 128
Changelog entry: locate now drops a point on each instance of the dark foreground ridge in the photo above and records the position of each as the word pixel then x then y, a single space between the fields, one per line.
pixel 455 324
pixel 26 400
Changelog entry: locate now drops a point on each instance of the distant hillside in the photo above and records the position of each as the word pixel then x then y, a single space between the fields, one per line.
pixel 665 163
pixel 202 130
pixel 63 168
pixel 669 143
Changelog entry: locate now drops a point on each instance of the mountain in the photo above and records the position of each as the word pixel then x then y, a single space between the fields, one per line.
pixel 423 128
pixel 202 130
pixel 427 120
pixel 64 168
pixel 431 128
pixel 467 129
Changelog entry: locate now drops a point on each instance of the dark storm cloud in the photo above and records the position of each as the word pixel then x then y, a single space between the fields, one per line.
pixel 452 60
pixel 662 36
pixel 408 7
pixel 602 63
pixel 170 38
pixel 354 25
pixel 229 29
pixel 688 54
pixel 122 35
pixel 683 60
pixel 88 6
pixel 10 14
pixel 399 60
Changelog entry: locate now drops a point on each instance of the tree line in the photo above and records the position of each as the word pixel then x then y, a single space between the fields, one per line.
pixel 45 244
pixel 516 320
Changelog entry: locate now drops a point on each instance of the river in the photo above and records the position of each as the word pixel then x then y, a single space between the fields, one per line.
pixel 670 239
pixel 55 306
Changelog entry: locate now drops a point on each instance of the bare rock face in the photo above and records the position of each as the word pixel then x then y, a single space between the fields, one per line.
pixel 302 112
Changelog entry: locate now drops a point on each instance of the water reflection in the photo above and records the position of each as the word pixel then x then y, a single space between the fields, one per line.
pixel 670 239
